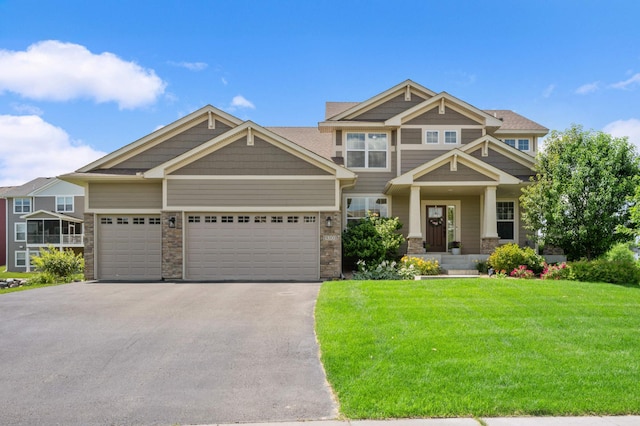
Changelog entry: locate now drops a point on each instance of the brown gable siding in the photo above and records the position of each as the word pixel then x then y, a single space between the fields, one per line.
pixel 125 195
pixel 238 158
pixel 250 193
pixel 433 117
pixel 504 163
pixel 470 232
pixel 390 108
pixel 462 174
pixel 174 146
pixel 370 182
pixel 411 136
pixel 414 158
pixel 470 135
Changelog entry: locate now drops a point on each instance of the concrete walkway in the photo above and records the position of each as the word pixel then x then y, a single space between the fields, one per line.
pixel 507 421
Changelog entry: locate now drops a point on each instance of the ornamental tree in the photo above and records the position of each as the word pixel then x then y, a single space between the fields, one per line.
pixel 580 193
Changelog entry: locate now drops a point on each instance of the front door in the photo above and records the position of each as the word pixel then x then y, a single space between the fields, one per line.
pixel 436 228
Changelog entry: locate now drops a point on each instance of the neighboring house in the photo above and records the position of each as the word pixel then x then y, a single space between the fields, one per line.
pixel 3 225
pixel 42 212
pixel 212 197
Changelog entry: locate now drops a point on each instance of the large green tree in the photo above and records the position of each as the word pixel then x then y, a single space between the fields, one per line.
pixel 580 193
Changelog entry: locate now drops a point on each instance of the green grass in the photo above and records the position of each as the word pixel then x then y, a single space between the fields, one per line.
pixel 4 275
pixel 480 347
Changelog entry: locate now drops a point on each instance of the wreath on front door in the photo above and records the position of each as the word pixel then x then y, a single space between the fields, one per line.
pixel 435 221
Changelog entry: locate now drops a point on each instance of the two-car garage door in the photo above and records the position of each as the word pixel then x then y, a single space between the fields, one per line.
pixel 252 246
pixel 217 247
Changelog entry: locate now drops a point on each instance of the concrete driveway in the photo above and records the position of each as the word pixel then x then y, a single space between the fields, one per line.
pixel 146 354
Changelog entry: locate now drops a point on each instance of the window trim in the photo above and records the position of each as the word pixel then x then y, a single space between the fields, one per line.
pixel 516 142
pixel 65 204
pixel 22 206
pixel 437 132
pixel 367 196
pixel 442 136
pixel 516 219
pixel 366 167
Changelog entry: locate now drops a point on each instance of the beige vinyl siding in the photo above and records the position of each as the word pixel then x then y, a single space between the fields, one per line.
pixel 374 182
pixel 125 195
pixel 262 158
pixel 470 135
pixel 504 163
pixel 250 193
pixel 411 136
pixel 390 108
pixel 462 174
pixel 338 137
pixel 414 158
pixel 174 146
pixel 433 117
pixel 400 209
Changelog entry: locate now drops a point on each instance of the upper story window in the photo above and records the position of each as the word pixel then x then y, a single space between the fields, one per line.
pixel 367 150
pixel 521 144
pixel 22 205
pixel 20 232
pixel 64 204
pixel 436 137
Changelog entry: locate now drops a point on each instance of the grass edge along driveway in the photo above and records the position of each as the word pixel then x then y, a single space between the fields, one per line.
pixel 479 347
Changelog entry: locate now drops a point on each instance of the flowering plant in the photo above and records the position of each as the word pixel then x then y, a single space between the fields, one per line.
pixel 522 272
pixel 556 272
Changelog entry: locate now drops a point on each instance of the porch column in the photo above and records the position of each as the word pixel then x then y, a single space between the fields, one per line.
pixel 490 239
pixel 414 239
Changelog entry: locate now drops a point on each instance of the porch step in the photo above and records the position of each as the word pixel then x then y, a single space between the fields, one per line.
pixel 461 272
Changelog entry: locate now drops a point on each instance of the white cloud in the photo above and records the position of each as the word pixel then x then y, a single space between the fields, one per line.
pixel 630 128
pixel 31 147
pixel 241 102
pixel 628 83
pixel 548 91
pixel 191 66
pixel 224 81
pixel 588 88
pixel 57 71
pixel 26 109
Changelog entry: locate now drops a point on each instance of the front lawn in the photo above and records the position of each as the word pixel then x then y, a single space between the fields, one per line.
pixel 480 347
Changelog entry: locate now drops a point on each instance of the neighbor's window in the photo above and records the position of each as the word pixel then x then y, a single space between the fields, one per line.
pixel 358 207
pixel 21 258
pixel 21 232
pixel 431 137
pixel 505 212
pixel 64 204
pixel 367 150
pixel 22 205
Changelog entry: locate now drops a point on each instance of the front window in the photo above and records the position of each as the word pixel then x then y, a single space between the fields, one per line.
pixel 22 205
pixel 367 150
pixel 64 204
pixel 432 137
pixel 505 211
pixel 21 232
pixel 359 207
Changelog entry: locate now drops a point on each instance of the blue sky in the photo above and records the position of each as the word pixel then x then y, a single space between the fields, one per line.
pixel 79 79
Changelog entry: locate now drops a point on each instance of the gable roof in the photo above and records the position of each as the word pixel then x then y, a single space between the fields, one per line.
pixel 452 157
pixel 307 137
pixel 406 85
pixel 158 136
pixel 30 188
pixel 514 121
pixel 335 108
pixel 443 99
pixel 515 154
pixel 44 214
pixel 246 128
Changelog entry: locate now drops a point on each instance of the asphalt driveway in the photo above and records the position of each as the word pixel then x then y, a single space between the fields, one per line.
pixel 122 354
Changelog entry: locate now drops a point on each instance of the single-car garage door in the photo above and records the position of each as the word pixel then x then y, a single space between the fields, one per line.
pixel 129 247
pixel 253 247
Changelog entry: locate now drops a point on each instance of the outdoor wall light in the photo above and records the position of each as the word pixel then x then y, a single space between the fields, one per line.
pixel 172 222
pixel 328 221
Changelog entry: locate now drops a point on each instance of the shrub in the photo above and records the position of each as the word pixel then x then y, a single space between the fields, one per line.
pixel 620 253
pixel 372 239
pixel 385 270
pixel 57 265
pixel 511 256
pixel 413 266
pixel 482 266
pixel 556 272
pixel 522 272
pixel 602 270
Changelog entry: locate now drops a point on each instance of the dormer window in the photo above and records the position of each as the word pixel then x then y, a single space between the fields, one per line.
pixel 367 150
